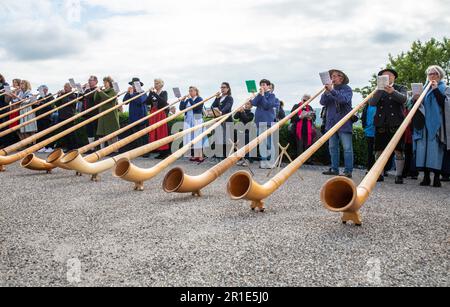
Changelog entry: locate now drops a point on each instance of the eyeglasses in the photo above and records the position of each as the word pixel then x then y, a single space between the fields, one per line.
pixel 433 74
pixel 224 87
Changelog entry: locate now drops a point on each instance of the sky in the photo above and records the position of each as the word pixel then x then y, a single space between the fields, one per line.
pixel 206 42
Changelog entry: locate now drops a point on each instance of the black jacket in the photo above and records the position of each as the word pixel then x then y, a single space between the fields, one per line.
pixel 159 100
pixel 68 111
pixel 88 103
pixel 245 117
pixel 48 108
pixel 390 107
pixel 224 107
pixel 295 119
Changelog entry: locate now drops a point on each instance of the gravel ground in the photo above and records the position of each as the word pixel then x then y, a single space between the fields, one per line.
pixel 62 230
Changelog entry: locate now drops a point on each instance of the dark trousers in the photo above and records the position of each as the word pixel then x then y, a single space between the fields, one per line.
pixel 69 141
pixel 144 140
pixel 370 152
pixel 410 162
pixel 43 125
pixel 91 129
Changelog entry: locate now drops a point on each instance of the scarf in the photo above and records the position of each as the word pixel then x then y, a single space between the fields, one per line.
pixel 433 118
pixel 300 126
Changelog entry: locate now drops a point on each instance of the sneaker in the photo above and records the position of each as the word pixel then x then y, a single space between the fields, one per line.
pixel 42 150
pixel 330 172
pixel 265 165
pixel 399 180
pixel 348 175
pixel 49 150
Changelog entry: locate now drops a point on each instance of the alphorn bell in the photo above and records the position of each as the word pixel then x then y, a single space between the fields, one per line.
pixel 6 156
pixel 241 185
pixel 176 181
pixel 129 172
pixel 340 194
pixel 34 163
pixel 78 163
pixel 11 130
pixel 54 158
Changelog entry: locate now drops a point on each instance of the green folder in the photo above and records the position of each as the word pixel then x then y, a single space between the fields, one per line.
pixel 251 86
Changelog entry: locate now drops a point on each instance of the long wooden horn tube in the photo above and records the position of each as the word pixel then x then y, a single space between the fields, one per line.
pixel 74 160
pixel 11 130
pixel 116 146
pixel 13 105
pixel 130 172
pixel 241 185
pixel 20 108
pixel 11 158
pixel 33 162
pixel 177 181
pixel 341 194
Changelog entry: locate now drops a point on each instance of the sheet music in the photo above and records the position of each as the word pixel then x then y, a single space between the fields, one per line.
pixel 177 92
pixel 382 82
pixel 326 78
pixel 72 83
pixel 116 87
pixel 417 88
pixel 138 87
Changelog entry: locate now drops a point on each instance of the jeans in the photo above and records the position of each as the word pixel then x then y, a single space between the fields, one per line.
pixel 347 142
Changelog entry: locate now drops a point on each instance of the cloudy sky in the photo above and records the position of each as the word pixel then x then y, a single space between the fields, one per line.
pixel 205 42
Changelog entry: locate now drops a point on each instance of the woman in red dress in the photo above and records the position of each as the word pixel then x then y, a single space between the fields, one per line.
pixel 157 100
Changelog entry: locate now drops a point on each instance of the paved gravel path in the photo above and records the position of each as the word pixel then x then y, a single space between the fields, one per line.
pixel 53 225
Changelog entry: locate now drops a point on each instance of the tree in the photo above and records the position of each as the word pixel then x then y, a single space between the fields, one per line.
pixel 411 65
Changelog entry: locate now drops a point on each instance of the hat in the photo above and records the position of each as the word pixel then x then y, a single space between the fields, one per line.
pixel 44 87
pixel 135 80
pixel 346 79
pixel 388 70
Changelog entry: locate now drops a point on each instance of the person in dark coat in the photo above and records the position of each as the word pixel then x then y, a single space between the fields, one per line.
pixel 69 141
pixel 45 122
pixel 89 102
pixel 245 116
pixel 137 111
pixel 303 126
pixel 4 102
pixel 390 104
pixel 224 103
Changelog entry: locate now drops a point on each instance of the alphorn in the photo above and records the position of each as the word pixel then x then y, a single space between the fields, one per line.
pixel 178 181
pixel 241 185
pixel 78 160
pixel 6 156
pixel 106 164
pixel 130 172
pixel 32 103
pixel 341 194
pixel 53 159
pixel 32 162
pixel 13 105
pixel 11 130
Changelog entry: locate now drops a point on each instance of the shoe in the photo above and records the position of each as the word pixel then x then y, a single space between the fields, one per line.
pixel 49 150
pixel 386 174
pixel 437 181
pixel 42 150
pixel 348 175
pixel 426 182
pixel 381 179
pixel 147 155
pixel 330 172
pixel 193 159
pixel 161 156
pixel 399 180
pixel 200 160
pixel 445 178
pixel 414 177
pixel 265 165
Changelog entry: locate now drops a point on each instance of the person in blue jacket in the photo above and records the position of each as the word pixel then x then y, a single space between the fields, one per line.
pixel 266 103
pixel 137 111
pixel 338 101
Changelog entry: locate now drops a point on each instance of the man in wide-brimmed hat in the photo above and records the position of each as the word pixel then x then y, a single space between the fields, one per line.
pixel 137 110
pixel 390 103
pixel 337 100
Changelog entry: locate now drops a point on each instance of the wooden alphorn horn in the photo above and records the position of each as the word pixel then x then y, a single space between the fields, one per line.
pixel 106 164
pixel 176 181
pixel 78 163
pixel 32 162
pixel 22 107
pixel 11 130
pixel 6 156
pixel 241 185
pixel 53 159
pixel 12 105
pixel 129 172
pixel 341 194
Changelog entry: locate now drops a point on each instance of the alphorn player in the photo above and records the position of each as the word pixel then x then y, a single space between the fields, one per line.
pixel 88 103
pixel 45 122
pixel 68 142
pixel 25 93
pixel 431 139
pixel 390 104
pixel 4 102
pixel 137 111
pixel 338 102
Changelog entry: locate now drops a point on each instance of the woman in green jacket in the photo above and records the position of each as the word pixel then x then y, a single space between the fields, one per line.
pixel 108 123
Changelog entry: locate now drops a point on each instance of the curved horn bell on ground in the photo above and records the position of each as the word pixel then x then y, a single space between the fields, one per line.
pixel 129 172
pixel 38 164
pixel 79 165
pixel 342 195
pixel 176 181
pixel 241 185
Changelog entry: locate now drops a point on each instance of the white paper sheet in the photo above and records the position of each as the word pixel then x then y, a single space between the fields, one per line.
pixel 138 87
pixel 382 82
pixel 177 92
pixel 417 88
pixel 326 78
